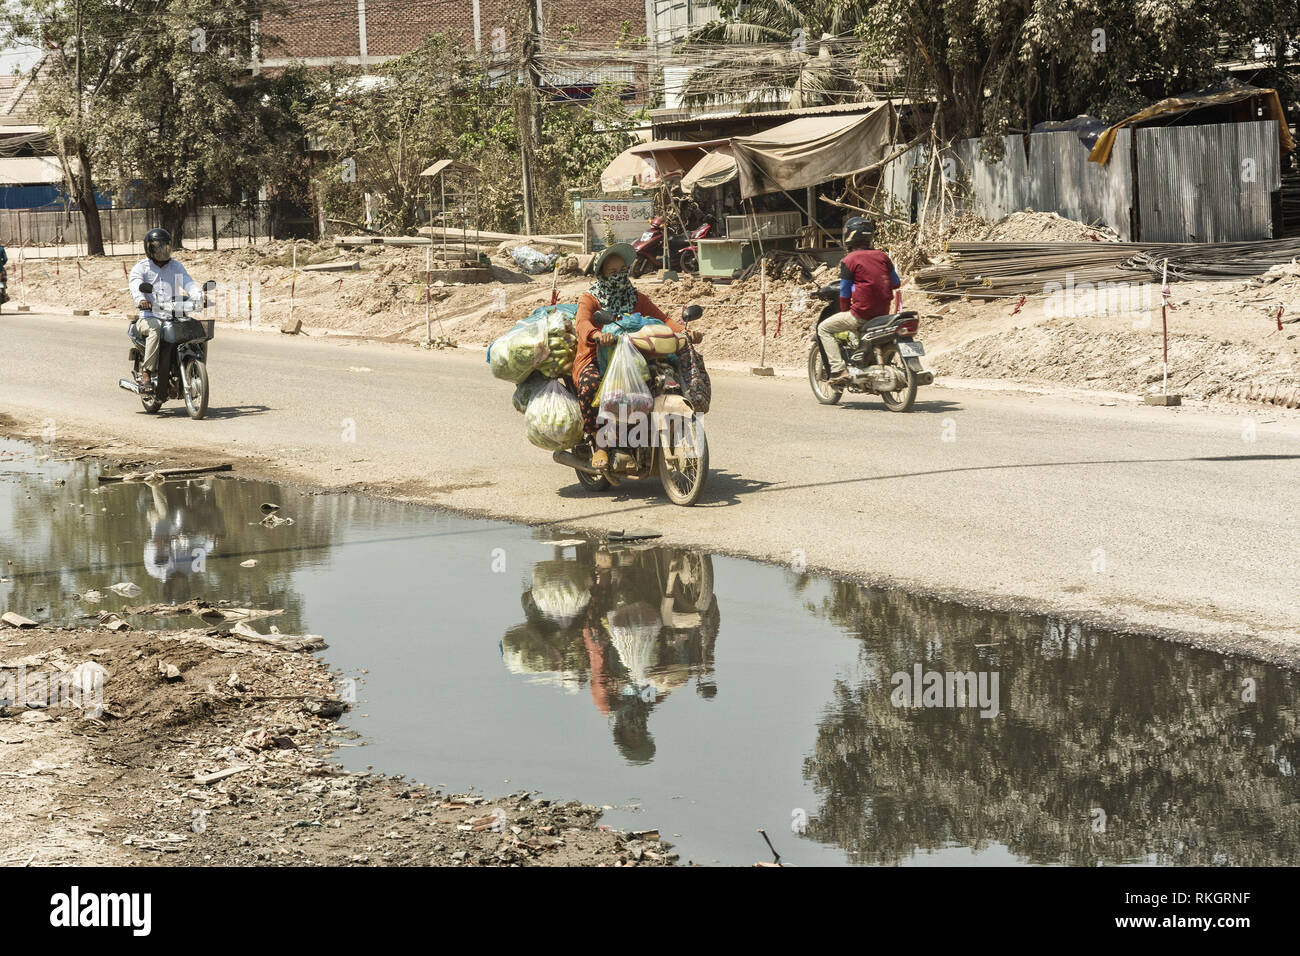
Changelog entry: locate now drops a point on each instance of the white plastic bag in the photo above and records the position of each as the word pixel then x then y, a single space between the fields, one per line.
pixel 623 391
pixel 516 354
pixel 554 418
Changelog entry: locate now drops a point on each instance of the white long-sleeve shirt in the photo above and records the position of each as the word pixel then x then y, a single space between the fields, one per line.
pixel 169 281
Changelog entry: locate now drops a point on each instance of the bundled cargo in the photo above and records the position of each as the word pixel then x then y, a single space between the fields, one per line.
pixel 553 419
pixel 526 389
pixel 655 339
pixel 562 342
pixel 517 354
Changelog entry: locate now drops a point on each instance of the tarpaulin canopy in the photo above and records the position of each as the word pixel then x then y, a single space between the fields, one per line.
pixel 812 150
pixel 649 164
pixel 714 169
pixel 1186 102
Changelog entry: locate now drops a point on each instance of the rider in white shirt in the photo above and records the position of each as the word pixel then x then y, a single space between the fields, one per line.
pixel 169 280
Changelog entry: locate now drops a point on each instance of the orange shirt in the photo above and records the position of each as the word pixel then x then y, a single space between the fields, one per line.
pixel 589 331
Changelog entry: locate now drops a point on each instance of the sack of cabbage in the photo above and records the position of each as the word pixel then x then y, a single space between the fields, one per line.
pixel 545 342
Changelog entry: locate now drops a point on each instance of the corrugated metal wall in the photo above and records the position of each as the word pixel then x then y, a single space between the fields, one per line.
pixel 1063 181
pixel 1193 183
pixel 1000 188
pixel 1207 183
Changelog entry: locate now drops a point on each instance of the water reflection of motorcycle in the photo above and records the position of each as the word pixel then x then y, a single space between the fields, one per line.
pixel 184 528
pixel 631 623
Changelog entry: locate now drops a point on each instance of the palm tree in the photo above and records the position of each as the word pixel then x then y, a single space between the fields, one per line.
pixel 795 54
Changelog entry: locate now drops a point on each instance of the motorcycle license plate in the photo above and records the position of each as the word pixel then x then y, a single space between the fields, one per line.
pixel 911 349
pixel 646 236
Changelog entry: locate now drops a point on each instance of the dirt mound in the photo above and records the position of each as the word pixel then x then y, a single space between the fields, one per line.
pixel 1030 226
pixel 1063 352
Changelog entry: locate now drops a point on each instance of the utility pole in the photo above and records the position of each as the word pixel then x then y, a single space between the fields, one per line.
pixel 529 119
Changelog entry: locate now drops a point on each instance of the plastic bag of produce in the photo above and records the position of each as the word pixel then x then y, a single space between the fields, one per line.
pixel 525 391
pixel 560 591
pixel 553 419
pixel 516 354
pixel 623 391
pixel 561 341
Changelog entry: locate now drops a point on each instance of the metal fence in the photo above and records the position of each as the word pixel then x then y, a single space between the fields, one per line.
pixel 1211 183
pixel 57 227
pixel 1208 183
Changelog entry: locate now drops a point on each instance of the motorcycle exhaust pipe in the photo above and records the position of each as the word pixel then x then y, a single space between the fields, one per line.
pixel 129 385
pixel 573 461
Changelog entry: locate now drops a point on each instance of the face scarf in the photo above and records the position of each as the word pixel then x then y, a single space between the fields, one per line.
pixel 615 293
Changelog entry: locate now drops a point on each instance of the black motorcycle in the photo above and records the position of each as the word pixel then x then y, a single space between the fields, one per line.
pixel 882 357
pixel 182 354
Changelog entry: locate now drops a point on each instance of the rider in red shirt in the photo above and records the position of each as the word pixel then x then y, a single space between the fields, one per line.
pixel 867 283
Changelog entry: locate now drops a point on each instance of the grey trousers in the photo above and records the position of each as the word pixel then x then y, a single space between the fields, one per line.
pixel 839 322
pixel 148 326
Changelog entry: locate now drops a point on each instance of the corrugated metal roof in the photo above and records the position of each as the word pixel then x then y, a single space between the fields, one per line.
pixel 856 107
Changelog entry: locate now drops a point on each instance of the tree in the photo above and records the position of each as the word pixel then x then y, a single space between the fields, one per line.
pixel 440 101
pixel 802 54
pixel 153 98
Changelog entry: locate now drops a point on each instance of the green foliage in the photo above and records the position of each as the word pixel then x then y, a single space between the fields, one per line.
pixel 440 102
pixel 169 114
pixel 802 57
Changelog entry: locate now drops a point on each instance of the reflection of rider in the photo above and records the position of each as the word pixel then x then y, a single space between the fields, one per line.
pixel 647 619
pixel 178 544
pixel 614 293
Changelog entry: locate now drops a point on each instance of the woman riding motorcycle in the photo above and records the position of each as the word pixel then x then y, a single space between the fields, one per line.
pixel 614 293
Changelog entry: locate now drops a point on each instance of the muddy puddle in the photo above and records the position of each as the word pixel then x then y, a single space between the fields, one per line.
pixel 701 695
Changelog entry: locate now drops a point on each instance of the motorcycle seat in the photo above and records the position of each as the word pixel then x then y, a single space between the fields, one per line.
pixel 884 321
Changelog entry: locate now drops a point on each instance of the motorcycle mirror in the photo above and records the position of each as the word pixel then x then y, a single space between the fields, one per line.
pixel 209 285
pixel 691 312
pixel 146 287
pixel 601 317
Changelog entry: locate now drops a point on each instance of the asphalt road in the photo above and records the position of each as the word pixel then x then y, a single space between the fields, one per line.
pixel 1143 518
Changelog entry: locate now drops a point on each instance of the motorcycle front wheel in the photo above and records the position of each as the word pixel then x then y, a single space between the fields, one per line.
pixel 196 392
pixel 683 460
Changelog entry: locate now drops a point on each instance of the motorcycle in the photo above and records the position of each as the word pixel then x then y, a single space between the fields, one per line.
pixel 676 448
pixel 182 354
pixel 4 285
pixel 883 358
pixel 683 251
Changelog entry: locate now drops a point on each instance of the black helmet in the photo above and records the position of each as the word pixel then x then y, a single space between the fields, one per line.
pixel 158 246
pixel 858 230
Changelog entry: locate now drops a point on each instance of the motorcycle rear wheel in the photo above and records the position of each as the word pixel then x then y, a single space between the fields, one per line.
pixel 592 482
pixel 690 262
pixel 901 400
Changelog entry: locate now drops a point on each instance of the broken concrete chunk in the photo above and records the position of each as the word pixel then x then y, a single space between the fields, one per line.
pixel 169 671
pixel 13 619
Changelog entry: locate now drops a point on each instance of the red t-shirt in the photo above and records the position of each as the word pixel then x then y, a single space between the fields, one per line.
pixel 872 275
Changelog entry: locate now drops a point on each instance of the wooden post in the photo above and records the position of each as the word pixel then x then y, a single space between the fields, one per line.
pixel 428 297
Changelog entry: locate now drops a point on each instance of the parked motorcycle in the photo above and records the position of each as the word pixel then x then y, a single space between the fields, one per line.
pixel 683 251
pixel 182 354
pixel 676 448
pixel 883 358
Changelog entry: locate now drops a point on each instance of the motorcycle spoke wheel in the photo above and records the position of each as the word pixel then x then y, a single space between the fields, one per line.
pixel 901 400
pixel 818 378
pixel 683 459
